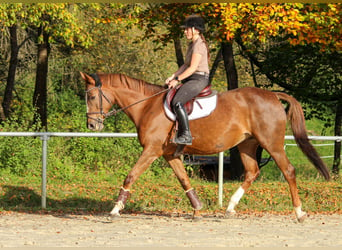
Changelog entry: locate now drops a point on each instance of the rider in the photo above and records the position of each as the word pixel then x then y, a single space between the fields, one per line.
pixel 194 73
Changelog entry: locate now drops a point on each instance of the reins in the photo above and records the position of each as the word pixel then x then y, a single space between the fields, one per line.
pixel 98 85
pixel 115 111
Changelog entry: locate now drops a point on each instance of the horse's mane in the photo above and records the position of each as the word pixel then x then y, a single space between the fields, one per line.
pixel 132 83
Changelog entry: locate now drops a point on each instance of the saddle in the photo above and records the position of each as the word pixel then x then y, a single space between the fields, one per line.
pixel 189 106
pixel 200 106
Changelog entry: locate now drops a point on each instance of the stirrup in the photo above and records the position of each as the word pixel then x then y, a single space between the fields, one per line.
pixel 183 139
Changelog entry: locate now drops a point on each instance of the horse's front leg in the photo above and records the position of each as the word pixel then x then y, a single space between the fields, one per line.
pixel 178 168
pixel 141 165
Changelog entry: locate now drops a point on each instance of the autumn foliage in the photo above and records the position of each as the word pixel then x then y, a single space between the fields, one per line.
pixel 297 23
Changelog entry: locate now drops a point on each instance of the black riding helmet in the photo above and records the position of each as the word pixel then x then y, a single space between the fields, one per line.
pixel 194 21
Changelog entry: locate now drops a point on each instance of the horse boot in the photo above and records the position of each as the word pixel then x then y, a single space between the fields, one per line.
pixel 183 135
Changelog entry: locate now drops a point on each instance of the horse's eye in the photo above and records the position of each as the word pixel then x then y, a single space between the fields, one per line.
pixel 92 97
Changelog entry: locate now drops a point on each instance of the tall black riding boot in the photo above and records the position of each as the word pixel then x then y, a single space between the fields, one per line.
pixel 183 135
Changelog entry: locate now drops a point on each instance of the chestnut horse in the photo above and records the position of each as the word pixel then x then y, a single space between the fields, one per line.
pixel 246 117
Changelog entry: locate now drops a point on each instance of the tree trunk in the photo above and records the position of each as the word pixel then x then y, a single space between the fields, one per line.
pixel 232 78
pixel 338 132
pixel 40 91
pixel 8 95
pixel 259 149
pixel 229 65
pixel 179 53
pixel 218 58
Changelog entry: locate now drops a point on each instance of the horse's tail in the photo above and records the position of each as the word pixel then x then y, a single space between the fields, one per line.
pixel 296 116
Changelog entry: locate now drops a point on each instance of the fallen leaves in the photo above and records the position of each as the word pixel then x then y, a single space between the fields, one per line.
pixel 166 196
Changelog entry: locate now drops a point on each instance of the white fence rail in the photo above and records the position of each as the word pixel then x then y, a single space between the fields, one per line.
pixel 45 136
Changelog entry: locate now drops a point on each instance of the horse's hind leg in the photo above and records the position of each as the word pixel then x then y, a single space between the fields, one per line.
pixel 279 156
pixel 248 156
pixel 178 168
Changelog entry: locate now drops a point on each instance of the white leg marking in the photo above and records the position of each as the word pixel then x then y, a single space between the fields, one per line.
pixel 118 206
pixel 234 200
pixel 300 214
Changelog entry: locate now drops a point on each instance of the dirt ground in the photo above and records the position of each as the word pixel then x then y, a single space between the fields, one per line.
pixel 35 230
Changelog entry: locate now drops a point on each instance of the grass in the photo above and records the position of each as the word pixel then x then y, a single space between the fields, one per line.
pixel 95 192
pixel 89 187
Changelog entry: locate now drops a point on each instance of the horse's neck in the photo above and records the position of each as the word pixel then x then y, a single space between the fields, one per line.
pixel 134 94
pixel 134 85
pixel 129 90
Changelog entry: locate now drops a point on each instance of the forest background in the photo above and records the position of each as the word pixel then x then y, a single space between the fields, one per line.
pixel 291 47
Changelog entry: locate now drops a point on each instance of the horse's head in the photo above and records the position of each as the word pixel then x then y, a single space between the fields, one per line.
pixel 97 101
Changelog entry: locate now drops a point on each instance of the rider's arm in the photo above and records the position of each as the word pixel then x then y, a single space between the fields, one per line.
pixel 195 61
pixel 184 72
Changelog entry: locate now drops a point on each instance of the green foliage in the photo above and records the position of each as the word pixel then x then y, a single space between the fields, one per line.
pixel 66 105
pixel 20 155
pixel 311 76
pixel 59 20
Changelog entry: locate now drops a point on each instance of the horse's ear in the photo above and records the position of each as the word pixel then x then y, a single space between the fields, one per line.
pixel 87 78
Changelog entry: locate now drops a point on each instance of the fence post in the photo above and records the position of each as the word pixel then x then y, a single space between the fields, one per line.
pixel 220 178
pixel 44 139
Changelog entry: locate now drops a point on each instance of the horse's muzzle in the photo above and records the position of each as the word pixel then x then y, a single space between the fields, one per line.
pixel 95 125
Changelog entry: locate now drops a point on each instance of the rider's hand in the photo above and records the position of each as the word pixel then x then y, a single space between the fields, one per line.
pixel 168 80
pixel 172 84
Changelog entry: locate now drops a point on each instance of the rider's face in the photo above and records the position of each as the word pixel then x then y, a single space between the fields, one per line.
pixel 190 33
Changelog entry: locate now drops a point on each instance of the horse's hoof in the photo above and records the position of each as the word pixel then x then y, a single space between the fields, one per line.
pixel 302 218
pixel 230 213
pixel 197 215
pixel 114 215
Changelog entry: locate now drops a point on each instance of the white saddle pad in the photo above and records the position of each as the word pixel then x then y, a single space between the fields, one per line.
pixel 203 107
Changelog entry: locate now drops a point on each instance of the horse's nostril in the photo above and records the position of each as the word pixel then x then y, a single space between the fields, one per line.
pixel 91 126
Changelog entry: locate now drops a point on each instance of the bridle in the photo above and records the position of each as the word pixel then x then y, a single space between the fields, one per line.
pixel 98 85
